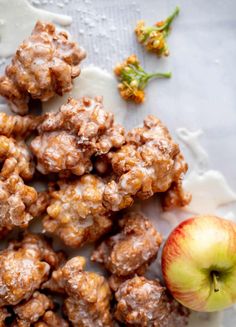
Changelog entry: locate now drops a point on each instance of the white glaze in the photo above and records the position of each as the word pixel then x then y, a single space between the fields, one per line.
pixel 17 19
pixel 209 188
pixel 191 139
pixel 94 81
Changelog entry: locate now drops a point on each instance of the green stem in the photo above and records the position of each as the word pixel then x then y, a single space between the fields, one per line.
pixel 168 21
pixel 160 75
pixel 144 80
pixel 164 28
pixel 215 282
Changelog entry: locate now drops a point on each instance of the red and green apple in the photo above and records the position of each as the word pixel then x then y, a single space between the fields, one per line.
pixel 199 263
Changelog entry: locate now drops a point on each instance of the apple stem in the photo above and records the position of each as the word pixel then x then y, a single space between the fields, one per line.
pixel 215 282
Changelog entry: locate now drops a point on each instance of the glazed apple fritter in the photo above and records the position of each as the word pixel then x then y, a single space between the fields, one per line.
pixel 148 163
pixel 37 311
pixel 88 294
pixel 76 213
pixel 44 65
pixel 130 251
pixel 142 302
pixel 31 310
pixel 70 137
pixel 24 266
pixel 17 165
pixel 16 199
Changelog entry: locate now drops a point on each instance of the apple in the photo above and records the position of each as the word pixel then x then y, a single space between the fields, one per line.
pixel 199 263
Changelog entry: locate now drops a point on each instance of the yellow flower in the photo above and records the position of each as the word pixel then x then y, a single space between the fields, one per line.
pixel 133 79
pixel 153 38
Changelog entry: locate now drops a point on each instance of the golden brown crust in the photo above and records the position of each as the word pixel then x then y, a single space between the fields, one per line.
pixel 40 245
pixel 143 302
pixel 70 137
pixel 16 158
pixel 88 301
pixel 148 163
pixel 30 311
pixel 130 251
pixel 18 126
pixel 76 213
pixel 52 319
pixel 24 266
pixel 44 65
pixel 37 312
pixel 175 197
pixel 21 273
pixel 16 198
pixel 39 207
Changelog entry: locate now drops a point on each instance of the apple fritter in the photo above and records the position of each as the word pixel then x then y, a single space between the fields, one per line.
pixel 70 137
pixel 148 163
pixel 37 312
pixel 44 65
pixel 30 311
pixel 130 251
pixel 17 166
pixel 88 294
pixel 16 199
pixel 24 266
pixel 76 213
pixel 142 302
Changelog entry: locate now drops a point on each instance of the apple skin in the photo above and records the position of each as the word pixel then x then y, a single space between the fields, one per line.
pixel 198 249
